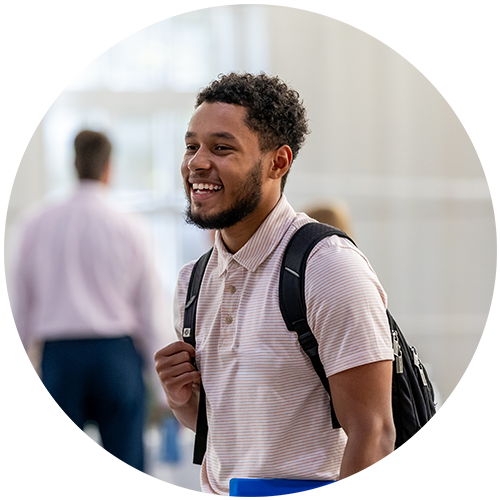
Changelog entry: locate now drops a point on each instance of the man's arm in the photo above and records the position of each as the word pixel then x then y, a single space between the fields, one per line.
pixel 180 381
pixel 362 400
pixel 22 298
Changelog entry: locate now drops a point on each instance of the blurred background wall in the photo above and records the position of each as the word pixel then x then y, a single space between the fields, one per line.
pixel 384 143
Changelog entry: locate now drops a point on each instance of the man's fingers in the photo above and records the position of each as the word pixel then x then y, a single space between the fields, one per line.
pixel 175 384
pixel 178 358
pixel 176 347
pixel 187 378
pixel 180 377
pixel 173 362
pixel 176 371
pixel 168 370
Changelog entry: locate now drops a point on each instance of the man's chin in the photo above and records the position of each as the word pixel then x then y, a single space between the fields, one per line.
pixel 225 218
pixel 198 220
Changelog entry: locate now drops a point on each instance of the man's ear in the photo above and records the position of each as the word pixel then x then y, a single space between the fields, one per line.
pixel 106 173
pixel 281 162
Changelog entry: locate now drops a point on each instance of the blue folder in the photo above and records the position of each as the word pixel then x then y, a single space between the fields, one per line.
pixel 241 487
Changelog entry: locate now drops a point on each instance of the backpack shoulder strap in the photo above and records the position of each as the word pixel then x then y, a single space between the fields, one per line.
pixel 188 334
pixel 188 329
pixel 292 292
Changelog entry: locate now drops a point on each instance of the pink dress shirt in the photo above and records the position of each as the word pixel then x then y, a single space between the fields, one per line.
pixel 85 270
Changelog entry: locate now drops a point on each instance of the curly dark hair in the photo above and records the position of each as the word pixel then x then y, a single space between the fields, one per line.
pixel 274 110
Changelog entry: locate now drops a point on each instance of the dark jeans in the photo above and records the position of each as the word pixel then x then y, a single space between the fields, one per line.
pixel 100 379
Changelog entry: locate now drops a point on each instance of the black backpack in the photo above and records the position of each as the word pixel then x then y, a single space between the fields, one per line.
pixel 412 392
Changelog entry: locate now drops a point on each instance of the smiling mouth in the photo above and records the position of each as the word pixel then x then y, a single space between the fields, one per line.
pixel 204 188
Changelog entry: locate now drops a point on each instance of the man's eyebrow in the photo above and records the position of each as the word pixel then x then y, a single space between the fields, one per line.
pixel 224 135
pixel 219 135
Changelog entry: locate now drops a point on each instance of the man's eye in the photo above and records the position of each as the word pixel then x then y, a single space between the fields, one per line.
pixel 190 147
pixel 222 148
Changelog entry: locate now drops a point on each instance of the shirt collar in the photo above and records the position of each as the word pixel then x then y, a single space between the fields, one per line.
pixel 262 242
pixel 91 189
pixel 91 186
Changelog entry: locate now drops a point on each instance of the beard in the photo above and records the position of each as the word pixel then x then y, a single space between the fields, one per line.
pixel 250 196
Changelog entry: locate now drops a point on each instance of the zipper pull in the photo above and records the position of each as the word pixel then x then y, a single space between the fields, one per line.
pixel 422 374
pixel 399 363
pixel 419 365
pixel 398 355
pixel 416 361
pixel 395 343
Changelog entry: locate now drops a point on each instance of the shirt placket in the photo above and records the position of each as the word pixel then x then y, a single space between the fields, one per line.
pixel 231 297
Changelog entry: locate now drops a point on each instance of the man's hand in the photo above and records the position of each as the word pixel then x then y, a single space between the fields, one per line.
pixel 177 373
pixel 180 380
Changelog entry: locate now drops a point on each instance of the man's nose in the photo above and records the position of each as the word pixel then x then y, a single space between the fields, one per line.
pixel 200 160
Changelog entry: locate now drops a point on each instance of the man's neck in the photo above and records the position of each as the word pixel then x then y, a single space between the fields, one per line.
pixel 235 237
pixel 93 182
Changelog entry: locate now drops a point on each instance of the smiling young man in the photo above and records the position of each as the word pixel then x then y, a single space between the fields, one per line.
pixel 268 413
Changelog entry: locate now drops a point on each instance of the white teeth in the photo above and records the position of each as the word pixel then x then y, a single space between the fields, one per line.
pixel 211 187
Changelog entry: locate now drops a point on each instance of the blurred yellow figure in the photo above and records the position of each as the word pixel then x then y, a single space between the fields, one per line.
pixel 336 214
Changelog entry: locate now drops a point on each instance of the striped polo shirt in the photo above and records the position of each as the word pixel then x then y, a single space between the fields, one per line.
pixel 268 413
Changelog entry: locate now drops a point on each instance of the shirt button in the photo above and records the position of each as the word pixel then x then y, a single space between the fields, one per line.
pixel 232 289
pixel 229 320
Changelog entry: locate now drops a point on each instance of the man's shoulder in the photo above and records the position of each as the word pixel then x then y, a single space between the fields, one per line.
pixel 186 270
pixel 117 218
pixel 183 282
pixel 338 258
pixel 332 256
pixel 35 214
pixel 336 263
pixel 185 275
pixel 133 222
pixel 323 247
pixel 299 219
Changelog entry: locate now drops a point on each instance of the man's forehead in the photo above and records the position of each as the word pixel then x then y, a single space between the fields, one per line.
pixel 221 119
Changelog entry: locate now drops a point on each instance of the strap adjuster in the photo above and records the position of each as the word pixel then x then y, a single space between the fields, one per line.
pixel 308 343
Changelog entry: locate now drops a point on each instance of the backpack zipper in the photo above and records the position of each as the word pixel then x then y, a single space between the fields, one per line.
pixel 398 355
pixel 419 365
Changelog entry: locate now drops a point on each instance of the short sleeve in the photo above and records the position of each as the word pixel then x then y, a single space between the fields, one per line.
pixel 346 307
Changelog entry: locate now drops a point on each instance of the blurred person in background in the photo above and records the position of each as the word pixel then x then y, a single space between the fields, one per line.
pixel 335 214
pixel 85 289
